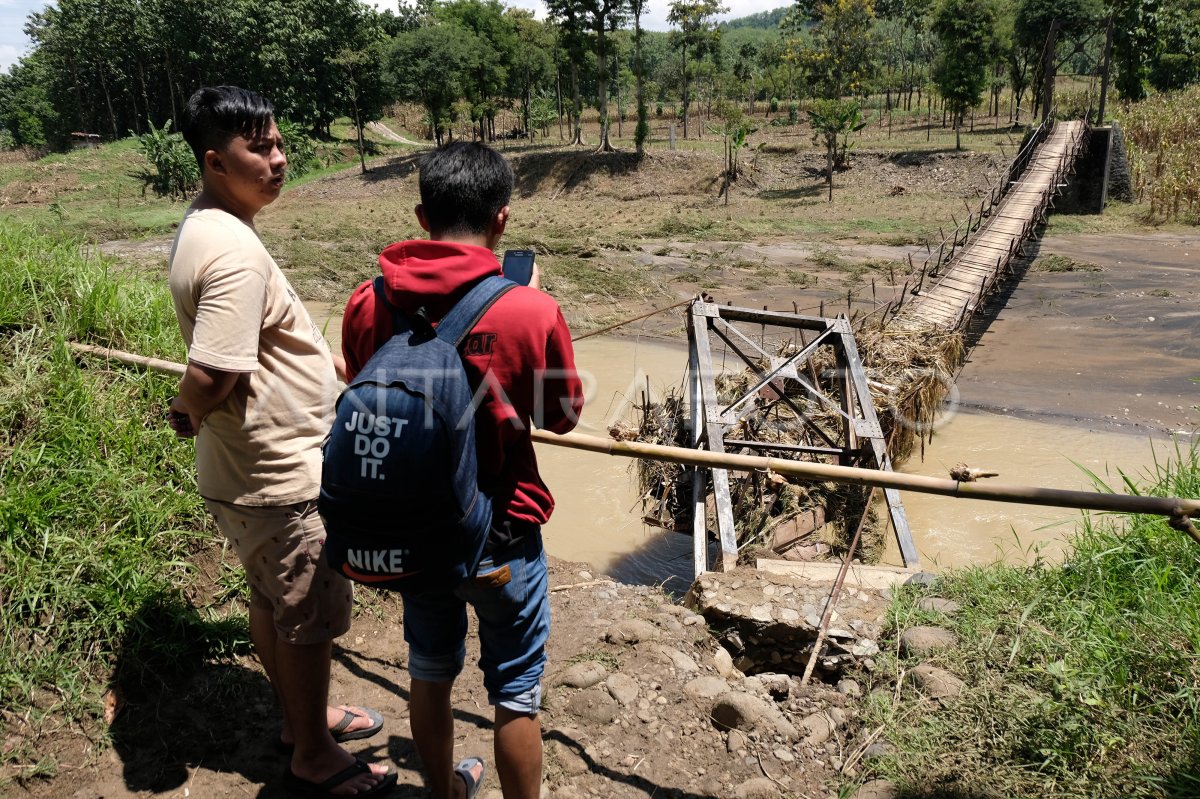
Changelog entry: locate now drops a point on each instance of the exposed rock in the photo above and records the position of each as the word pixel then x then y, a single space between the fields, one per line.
pixel 936 683
pixel 622 688
pixel 706 688
pixel 877 750
pixel 734 741
pixel 566 757
pixel 877 789
pixel 683 663
pixel 724 663
pixel 922 578
pixel 583 675
pixel 850 688
pixel 936 604
pixel 741 711
pixel 631 631
pixel 594 706
pixel 817 728
pixel 924 640
pixel 757 788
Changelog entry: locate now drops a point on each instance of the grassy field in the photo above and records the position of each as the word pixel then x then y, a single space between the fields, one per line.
pixel 104 538
pixel 1082 680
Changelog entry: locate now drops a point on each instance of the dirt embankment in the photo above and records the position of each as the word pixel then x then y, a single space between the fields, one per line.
pixel 641 700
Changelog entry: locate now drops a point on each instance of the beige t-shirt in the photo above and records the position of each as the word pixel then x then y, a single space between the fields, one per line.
pixel 237 313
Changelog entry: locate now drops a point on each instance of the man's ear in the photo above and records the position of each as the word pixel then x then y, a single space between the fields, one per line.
pixel 499 223
pixel 213 162
pixel 422 220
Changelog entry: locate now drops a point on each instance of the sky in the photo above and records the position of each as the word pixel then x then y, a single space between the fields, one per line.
pixel 14 44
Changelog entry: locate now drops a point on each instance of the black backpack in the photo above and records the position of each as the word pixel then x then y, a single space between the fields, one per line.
pixel 400 492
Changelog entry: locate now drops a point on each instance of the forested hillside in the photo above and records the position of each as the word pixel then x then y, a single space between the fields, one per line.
pixel 123 65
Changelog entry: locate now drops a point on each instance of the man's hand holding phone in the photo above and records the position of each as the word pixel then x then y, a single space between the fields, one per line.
pixel 520 268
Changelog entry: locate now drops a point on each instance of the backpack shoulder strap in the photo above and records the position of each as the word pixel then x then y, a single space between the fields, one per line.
pixel 463 317
pixel 400 322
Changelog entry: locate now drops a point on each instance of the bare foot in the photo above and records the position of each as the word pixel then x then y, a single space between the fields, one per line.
pixel 333 717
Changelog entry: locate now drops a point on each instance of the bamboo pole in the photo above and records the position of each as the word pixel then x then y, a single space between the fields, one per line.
pixel 1179 510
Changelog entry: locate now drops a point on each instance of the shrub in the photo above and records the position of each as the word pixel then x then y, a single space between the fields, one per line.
pixel 176 173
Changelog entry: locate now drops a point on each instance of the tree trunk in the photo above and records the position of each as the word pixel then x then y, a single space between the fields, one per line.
pixel 685 91
pixel 829 148
pixel 558 99
pixel 577 104
pixel 112 117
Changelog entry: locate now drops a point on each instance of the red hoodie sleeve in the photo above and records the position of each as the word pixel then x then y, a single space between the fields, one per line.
pixel 561 386
pixel 364 328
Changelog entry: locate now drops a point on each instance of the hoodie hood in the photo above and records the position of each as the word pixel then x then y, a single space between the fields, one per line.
pixel 433 274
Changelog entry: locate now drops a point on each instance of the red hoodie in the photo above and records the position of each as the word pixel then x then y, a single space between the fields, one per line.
pixel 522 342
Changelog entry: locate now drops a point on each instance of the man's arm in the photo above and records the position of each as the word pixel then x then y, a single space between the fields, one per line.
pixel 201 389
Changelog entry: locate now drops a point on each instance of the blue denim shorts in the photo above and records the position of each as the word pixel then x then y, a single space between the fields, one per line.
pixel 511 601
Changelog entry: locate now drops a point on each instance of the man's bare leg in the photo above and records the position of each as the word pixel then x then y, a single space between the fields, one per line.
pixel 300 677
pixel 518 744
pixel 432 722
pixel 264 636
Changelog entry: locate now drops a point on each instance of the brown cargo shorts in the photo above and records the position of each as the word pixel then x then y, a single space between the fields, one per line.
pixel 282 548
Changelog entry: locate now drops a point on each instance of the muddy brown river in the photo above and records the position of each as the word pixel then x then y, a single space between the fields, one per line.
pixel 1079 374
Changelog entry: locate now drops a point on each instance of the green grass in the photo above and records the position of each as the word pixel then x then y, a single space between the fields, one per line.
pixel 102 527
pixel 100 194
pixel 1084 679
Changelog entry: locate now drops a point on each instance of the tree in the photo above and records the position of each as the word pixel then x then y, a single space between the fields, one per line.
pixel 697 33
pixel 604 17
pixel 832 122
pixel 842 57
pixel 532 62
pixel 489 42
pixel 427 65
pixel 641 133
pixel 1068 19
pixel 965 29
pixel 569 16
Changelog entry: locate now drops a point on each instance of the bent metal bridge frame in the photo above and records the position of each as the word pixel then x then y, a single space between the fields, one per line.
pixel 853 438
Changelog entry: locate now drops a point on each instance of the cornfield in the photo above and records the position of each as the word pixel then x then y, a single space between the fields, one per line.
pixel 1163 134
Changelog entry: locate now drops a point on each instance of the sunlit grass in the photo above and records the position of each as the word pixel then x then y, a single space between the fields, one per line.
pixel 1083 680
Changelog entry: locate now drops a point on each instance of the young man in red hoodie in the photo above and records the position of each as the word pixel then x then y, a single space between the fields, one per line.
pixel 521 368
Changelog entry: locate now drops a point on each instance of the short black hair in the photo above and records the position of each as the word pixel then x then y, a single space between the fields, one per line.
pixel 463 186
pixel 215 114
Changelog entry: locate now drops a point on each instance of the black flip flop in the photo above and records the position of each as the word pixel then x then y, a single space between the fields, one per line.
pixel 324 790
pixel 338 730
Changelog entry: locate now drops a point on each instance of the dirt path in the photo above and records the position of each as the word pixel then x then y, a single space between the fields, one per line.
pixel 389 134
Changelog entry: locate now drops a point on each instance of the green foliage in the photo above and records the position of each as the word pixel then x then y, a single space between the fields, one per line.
pixel 839 60
pixel 99 517
pixel 1083 678
pixel 108 68
pixel 300 149
pixel 176 173
pixel 832 122
pixel 965 29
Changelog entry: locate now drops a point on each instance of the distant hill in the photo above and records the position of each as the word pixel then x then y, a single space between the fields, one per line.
pixel 763 19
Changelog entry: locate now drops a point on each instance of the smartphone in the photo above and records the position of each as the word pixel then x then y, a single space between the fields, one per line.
pixel 518 266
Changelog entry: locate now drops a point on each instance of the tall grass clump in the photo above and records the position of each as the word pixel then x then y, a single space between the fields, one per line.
pixel 1082 679
pixel 100 524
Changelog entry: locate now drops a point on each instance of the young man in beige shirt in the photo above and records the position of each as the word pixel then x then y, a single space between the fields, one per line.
pixel 258 397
